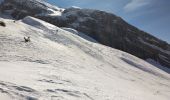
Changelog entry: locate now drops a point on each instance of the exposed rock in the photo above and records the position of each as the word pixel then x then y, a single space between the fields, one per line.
pixel 2 23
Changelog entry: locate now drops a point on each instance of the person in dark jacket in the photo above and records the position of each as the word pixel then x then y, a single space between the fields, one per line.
pixel 27 39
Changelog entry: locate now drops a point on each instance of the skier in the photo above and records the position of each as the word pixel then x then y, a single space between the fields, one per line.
pixel 27 39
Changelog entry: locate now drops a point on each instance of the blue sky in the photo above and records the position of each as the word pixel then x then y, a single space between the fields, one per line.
pixel 152 16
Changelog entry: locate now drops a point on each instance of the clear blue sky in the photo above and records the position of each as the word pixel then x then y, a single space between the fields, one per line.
pixel 152 16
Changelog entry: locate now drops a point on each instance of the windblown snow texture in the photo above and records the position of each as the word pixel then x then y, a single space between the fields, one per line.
pixel 60 65
pixel 106 28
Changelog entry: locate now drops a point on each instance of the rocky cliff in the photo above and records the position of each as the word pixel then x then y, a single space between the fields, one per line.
pixel 106 28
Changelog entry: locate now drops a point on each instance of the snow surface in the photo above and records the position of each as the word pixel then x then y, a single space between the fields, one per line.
pixel 60 65
pixel 76 7
pixel 83 35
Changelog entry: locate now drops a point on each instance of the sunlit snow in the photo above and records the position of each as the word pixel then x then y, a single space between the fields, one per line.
pixel 60 65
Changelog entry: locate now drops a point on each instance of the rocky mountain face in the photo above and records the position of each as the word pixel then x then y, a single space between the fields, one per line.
pixel 21 8
pixel 106 28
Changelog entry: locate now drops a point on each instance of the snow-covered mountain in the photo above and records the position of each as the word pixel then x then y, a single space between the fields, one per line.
pixel 113 31
pixel 60 65
pixel 104 27
pixel 22 8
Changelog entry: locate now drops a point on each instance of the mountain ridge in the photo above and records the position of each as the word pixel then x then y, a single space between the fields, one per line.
pixel 106 28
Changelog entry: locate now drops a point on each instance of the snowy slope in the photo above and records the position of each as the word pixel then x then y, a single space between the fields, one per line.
pixel 60 65
pixel 106 28
pixel 83 35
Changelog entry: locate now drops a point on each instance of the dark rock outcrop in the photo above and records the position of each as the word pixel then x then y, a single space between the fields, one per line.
pixel 113 31
pixel 21 8
pixel 106 28
pixel 2 23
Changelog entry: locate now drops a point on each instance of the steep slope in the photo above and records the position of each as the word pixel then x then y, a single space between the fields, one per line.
pixel 104 27
pixel 60 65
pixel 113 31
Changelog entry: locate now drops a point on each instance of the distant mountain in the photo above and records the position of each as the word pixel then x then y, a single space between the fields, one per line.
pixel 104 27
